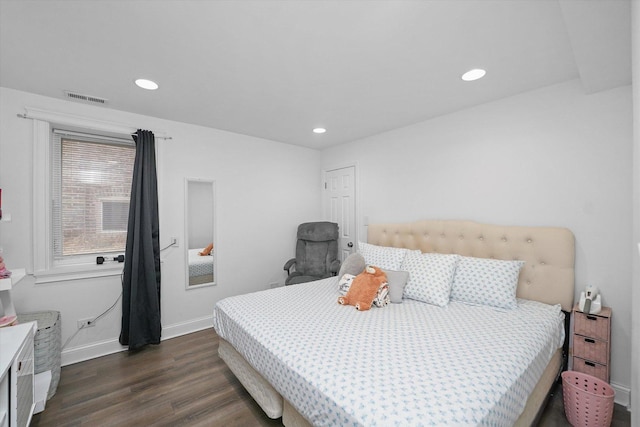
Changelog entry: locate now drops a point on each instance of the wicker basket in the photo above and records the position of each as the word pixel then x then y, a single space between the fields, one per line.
pixel 588 401
pixel 47 343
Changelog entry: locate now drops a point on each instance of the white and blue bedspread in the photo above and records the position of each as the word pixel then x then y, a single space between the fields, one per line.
pixel 404 364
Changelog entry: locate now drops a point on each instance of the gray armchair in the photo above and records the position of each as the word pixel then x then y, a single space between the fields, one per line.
pixel 316 253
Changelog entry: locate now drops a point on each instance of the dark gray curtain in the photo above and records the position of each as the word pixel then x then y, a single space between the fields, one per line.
pixel 141 277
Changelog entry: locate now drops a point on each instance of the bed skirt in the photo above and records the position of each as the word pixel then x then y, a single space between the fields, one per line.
pixel 262 392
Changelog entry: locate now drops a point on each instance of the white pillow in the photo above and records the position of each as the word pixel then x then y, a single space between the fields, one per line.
pixel 430 277
pixel 385 257
pixel 482 281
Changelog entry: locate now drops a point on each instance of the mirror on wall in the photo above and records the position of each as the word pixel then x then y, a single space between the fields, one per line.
pixel 200 232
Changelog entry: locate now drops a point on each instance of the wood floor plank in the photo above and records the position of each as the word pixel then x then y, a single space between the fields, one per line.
pixel 181 382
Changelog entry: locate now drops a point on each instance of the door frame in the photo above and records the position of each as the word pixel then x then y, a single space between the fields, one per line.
pixel 356 195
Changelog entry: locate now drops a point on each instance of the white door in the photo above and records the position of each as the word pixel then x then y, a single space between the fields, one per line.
pixel 340 206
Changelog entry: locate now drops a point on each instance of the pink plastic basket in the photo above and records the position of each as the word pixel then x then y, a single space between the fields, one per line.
pixel 588 401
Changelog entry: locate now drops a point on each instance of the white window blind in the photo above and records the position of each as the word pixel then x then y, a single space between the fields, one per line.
pixel 91 187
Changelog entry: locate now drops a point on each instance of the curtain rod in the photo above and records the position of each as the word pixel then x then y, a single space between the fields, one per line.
pixel 157 137
pixel 26 116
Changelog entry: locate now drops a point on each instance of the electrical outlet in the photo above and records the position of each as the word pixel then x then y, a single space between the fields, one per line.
pixel 86 323
pixel 174 242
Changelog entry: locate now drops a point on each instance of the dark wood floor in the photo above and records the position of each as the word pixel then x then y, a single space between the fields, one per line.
pixel 181 382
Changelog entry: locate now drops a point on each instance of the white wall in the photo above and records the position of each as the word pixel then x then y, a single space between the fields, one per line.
pixel 552 157
pixel 264 190
pixel 635 352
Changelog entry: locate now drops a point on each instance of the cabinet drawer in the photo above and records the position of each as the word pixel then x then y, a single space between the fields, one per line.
pixel 591 325
pixel 590 349
pixel 594 369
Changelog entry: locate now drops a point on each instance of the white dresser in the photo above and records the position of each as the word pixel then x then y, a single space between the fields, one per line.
pixel 16 375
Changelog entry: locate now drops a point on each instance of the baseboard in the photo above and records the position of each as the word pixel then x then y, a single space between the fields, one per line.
pixel 91 351
pixel 183 328
pixel 623 395
pixel 103 348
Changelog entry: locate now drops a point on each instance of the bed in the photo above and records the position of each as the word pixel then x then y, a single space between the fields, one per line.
pixel 200 267
pixel 304 357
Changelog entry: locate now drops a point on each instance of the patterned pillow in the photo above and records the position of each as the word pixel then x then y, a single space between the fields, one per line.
pixel 382 256
pixel 345 283
pixel 430 277
pixel 482 281
pixel 381 299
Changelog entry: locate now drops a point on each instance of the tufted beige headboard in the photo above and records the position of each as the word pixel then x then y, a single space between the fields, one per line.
pixel 549 252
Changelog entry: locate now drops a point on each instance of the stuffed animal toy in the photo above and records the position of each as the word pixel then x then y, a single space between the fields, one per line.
pixel 4 273
pixel 206 251
pixel 364 288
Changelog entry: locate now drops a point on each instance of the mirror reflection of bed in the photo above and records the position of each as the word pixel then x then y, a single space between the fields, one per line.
pixel 200 266
pixel 200 244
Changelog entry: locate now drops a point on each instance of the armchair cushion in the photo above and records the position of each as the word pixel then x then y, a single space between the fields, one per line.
pixel 296 278
pixel 318 231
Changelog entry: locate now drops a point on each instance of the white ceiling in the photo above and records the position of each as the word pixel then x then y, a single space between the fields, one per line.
pixel 277 69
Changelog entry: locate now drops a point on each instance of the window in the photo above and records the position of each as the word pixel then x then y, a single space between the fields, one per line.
pixel 91 187
pixel 80 195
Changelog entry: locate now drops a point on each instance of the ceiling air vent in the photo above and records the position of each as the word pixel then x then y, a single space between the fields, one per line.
pixel 85 98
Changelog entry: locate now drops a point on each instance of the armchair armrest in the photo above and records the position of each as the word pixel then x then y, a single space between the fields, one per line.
pixel 289 264
pixel 335 266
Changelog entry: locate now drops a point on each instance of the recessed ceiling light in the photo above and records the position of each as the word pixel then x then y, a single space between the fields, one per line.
pixel 319 130
pixel 147 84
pixel 475 74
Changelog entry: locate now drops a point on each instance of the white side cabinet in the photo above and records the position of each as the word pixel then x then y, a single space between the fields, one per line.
pixel 16 380
pixel 5 290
